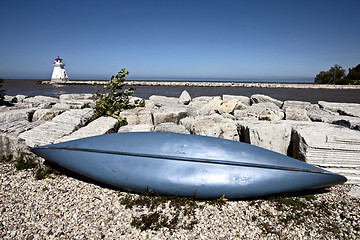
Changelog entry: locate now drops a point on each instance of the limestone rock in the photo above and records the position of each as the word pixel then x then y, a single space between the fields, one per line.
pixel 17 115
pixel 171 127
pixel 317 110
pixel 297 114
pixel 230 106
pixel 71 97
pixel 134 101
pixel 334 148
pixel 346 121
pixel 214 126
pixel 45 114
pixel 60 126
pixel 274 136
pixel 61 107
pixel 40 101
pixel 210 108
pixel 355 192
pixel 296 104
pixel 77 101
pixel 168 114
pixel 262 111
pixel 137 116
pixel 202 106
pixel 100 126
pixel 243 99
pixel 137 128
pixel 259 98
pixel 161 101
pixel 10 144
pixel 185 97
pixel 202 100
pixel 16 127
pixel 349 109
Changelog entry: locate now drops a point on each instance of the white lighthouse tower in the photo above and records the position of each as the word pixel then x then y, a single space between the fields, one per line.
pixel 59 73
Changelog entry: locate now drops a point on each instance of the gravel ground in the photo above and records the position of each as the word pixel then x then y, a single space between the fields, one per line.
pixel 63 207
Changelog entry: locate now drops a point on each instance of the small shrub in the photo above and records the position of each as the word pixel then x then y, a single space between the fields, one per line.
pixel 6 158
pixel 23 161
pixel 111 101
pixel 156 215
pixel 45 172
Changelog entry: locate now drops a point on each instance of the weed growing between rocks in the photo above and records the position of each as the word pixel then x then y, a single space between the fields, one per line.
pixel 170 212
pixel 111 101
pixel 6 158
pixel 26 161
pixel 305 212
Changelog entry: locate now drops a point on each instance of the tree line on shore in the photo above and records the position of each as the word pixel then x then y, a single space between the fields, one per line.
pixel 337 75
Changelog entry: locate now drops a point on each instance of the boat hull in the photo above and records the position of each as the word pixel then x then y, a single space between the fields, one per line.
pixel 186 165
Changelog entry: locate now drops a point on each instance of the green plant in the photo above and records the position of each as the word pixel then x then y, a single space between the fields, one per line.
pixel 220 201
pixel 45 172
pixel 6 158
pixel 160 211
pixel 24 161
pixel 111 101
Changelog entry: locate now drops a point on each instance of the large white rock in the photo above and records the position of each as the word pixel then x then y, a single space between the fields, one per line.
pixel 274 136
pixel 230 106
pixel 16 127
pixel 210 108
pixel 161 101
pixel 60 126
pixel 137 128
pixel 45 114
pixel 137 116
pixel 77 101
pixel 296 104
pixel 259 98
pixel 243 99
pixel 297 114
pixel 17 115
pixel 349 109
pixel 202 106
pixel 332 147
pixel 262 111
pixel 346 121
pixel 171 127
pixel 168 114
pixel 185 97
pixel 10 144
pixel 100 126
pixel 40 101
pixel 355 192
pixel 71 97
pixel 213 126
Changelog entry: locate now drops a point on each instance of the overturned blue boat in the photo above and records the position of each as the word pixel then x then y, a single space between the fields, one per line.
pixel 186 165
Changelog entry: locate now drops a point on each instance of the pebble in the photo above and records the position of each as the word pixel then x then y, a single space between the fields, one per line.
pixel 64 207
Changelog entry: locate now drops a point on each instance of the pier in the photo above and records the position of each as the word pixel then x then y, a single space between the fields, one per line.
pixel 212 84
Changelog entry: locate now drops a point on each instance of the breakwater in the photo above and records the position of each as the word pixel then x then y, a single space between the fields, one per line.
pixel 213 84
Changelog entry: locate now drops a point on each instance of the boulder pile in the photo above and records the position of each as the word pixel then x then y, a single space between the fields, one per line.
pixel 324 134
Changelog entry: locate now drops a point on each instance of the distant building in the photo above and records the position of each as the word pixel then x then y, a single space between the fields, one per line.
pixel 59 73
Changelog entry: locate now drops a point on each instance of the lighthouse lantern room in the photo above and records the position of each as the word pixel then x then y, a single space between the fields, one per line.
pixel 59 73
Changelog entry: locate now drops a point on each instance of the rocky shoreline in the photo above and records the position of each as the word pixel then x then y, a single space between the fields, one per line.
pixel 324 134
pixel 211 84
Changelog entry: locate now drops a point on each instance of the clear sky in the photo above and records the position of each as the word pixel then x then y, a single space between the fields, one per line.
pixel 178 39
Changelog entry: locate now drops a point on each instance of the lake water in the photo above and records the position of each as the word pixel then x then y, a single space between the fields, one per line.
pixel 30 88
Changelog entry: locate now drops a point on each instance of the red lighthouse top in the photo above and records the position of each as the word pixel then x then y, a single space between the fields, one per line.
pixel 58 58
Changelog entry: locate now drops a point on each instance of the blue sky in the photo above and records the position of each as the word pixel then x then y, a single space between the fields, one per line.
pixel 178 39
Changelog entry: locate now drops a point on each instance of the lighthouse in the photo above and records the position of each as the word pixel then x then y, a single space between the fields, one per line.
pixel 59 73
